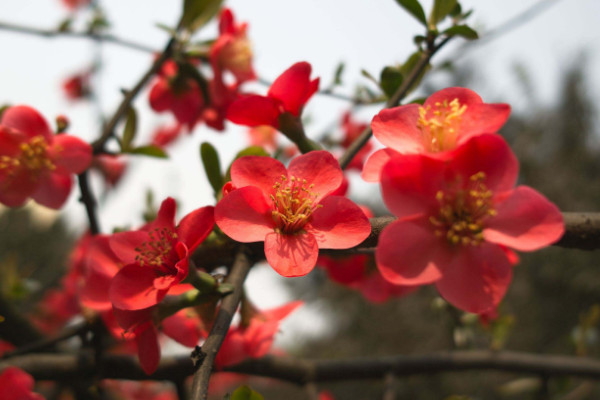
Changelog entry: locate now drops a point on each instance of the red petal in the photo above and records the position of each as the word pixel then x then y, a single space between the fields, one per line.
pixel 409 184
pixel 293 87
pixel 254 110
pixel 482 118
pixel 244 215
pixel 28 121
pixel 372 169
pixel 490 154
pixel 226 21
pixel 525 221
pixel 282 312
pixel 465 97
pixel 183 328
pixel 476 278
pixel 338 224
pixel 166 214
pixel 262 172
pixel 16 189
pixel 132 288
pixel 148 348
pixel 291 255
pixel 123 244
pixel 196 226
pixel 71 153
pixel 53 190
pixel 409 253
pixel 397 128
pixel 318 168
pixel 161 96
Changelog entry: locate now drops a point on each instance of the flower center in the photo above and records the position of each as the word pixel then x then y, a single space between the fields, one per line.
pixel 462 213
pixel 33 157
pixel 158 252
pixel 439 131
pixel 293 204
pixel 236 56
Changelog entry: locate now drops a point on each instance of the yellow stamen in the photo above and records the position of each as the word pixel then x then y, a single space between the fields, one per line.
pixel 439 132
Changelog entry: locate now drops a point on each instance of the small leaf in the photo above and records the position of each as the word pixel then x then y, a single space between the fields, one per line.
pixel 418 100
pixel 130 130
pixel 65 25
pixel 441 8
pixel 463 31
pixel 2 319
pixel 150 151
pixel 172 32
pixel 415 9
pixel 409 65
pixel 368 75
pixel 245 393
pixel 248 151
pixel 337 80
pixel 212 166
pixel 457 11
pixel 197 13
pixel 391 79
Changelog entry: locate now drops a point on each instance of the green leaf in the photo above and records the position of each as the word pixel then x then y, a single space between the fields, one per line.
pixel 245 393
pixel 130 130
pixel 337 79
pixel 415 9
pixel 212 166
pixel 463 31
pixel 150 151
pixel 248 151
pixel 197 13
pixel 391 79
pixel 368 75
pixel 409 65
pixel 172 32
pixel 441 8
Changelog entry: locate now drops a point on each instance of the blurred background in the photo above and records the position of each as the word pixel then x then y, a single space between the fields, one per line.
pixel 542 57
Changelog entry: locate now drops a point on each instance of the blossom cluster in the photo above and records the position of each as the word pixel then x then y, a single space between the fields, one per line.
pixel 444 172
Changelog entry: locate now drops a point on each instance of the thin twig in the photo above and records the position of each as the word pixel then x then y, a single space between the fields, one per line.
pixel 393 101
pixel 47 33
pixel 89 201
pixel 211 346
pixel 108 130
pixel 47 343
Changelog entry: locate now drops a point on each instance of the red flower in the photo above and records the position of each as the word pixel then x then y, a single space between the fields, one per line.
pixel 36 163
pixel 172 91
pixel 17 384
pixel 288 94
pixel 77 86
pixel 448 118
pixel 111 167
pixel 156 257
pixel 456 219
pixel 255 339
pixel 165 135
pixel 291 210
pixel 263 136
pixel 231 51
pixel 74 4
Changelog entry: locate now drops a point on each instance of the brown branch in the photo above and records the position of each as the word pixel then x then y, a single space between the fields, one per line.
pixel 46 33
pixel 130 95
pixel 48 343
pixel 61 367
pixel 582 231
pixel 393 101
pixel 211 346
